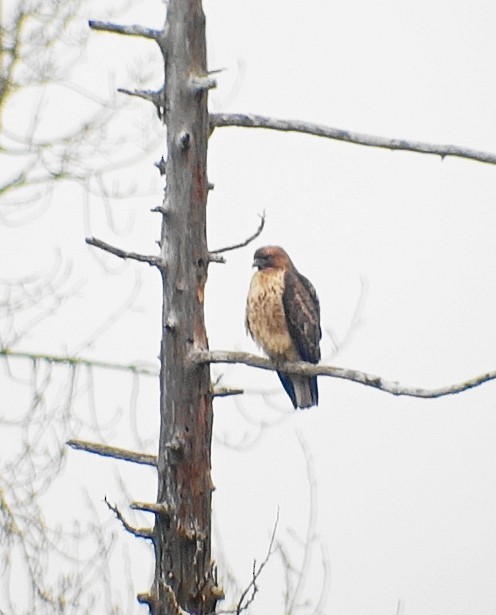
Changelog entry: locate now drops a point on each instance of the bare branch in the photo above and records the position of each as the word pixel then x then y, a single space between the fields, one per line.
pixel 154 261
pixel 309 369
pixel 216 258
pixel 226 392
pixel 154 96
pixel 246 241
pixel 157 97
pixel 244 601
pixel 219 120
pixel 256 573
pixel 49 358
pixel 113 451
pixel 128 30
pixel 139 533
pixel 202 83
pixel 158 508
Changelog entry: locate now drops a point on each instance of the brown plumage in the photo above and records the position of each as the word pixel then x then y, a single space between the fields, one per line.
pixel 283 317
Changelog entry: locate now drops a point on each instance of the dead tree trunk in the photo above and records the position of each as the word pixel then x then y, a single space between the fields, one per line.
pixel 183 575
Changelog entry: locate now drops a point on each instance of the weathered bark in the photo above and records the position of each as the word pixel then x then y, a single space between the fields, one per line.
pixel 184 576
pixel 184 573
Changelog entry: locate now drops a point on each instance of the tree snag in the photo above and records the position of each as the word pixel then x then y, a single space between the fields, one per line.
pixel 184 570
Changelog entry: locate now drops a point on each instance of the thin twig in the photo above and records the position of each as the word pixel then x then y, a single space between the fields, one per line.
pixel 139 533
pixel 113 451
pixel 304 568
pixel 339 344
pixel 309 369
pixel 246 241
pixel 129 30
pixel 154 261
pixel 219 120
pixel 62 359
pixel 252 586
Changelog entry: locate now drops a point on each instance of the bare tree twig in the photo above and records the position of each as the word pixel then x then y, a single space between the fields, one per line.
pixel 154 261
pixel 246 241
pixel 128 30
pixel 113 451
pixel 309 369
pixel 219 120
pixel 154 96
pixel 50 358
pixel 226 392
pixel 252 586
pixel 139 533
pixel 302 576
pixel 339 344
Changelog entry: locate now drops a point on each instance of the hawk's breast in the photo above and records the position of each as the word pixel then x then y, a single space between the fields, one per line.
pixel 265 317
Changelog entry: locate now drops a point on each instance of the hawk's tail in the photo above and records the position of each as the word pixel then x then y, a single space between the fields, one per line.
pixel 302 390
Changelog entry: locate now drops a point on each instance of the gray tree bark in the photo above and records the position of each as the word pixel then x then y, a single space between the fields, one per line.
pixel 184 572
pixel 184 575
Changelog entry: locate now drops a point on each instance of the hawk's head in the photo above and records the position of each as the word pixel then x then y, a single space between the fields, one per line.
pixel 271 257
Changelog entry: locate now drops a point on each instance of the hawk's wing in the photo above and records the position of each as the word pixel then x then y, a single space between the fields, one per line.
pixel 302 310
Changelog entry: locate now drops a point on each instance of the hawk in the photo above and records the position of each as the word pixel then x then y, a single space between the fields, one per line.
pixel 283 317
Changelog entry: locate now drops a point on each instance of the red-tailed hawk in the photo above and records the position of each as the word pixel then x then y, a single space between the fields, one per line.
pixel 283 317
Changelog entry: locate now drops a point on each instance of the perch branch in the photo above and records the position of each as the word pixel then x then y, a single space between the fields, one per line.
pixel 142 532
pixel 219 120
pixel 112 451
pixel 154 261
pixel 246 241
pixel 129 30
pixel 308 369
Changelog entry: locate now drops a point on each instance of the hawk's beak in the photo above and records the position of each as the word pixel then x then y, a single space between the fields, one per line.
pixel 257 262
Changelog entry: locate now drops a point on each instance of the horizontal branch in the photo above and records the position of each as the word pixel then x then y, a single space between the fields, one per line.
pixel 128 30
pixel 309 369
pixel 154 96
pixel 226 392
pixel 112 451
pixel 67 360
pixel 154 261
pixel 158 508
pixel 219 120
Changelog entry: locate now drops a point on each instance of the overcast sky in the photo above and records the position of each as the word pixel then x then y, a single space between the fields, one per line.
pixel 405 498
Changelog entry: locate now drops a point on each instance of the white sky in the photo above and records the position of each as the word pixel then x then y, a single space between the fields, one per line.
pixel 405 488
